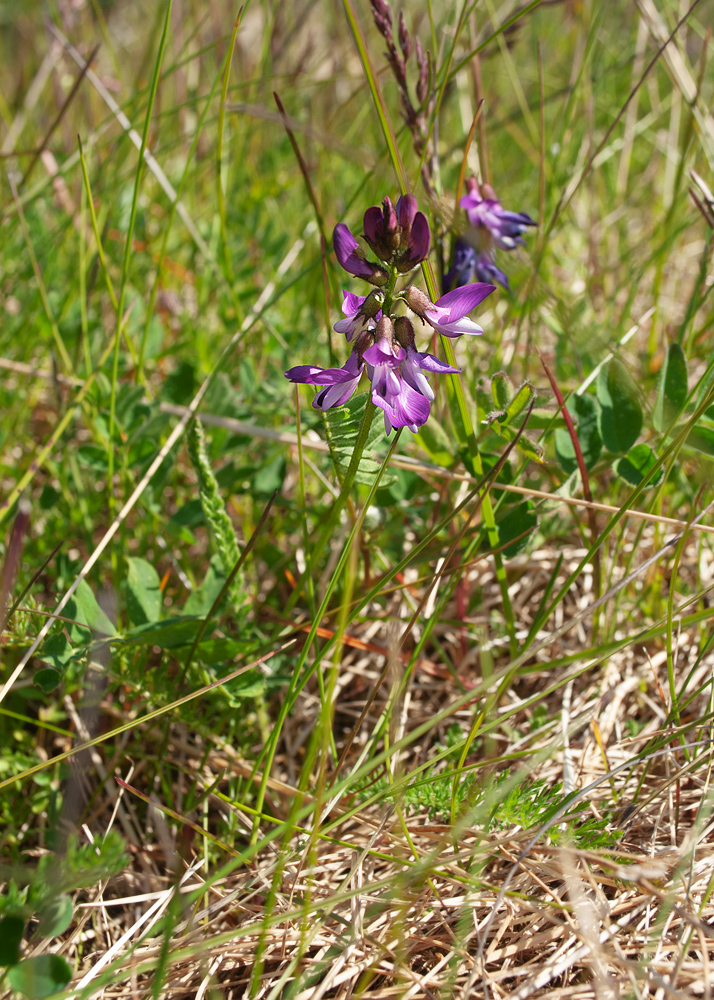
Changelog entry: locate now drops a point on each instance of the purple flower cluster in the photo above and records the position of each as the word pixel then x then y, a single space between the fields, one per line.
pixel 491 228
pixel 385 342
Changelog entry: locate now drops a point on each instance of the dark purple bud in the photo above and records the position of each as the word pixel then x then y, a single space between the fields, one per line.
pixel 404 332
pixel 351 257
pixel 407 210
pixel 391 226
pixel 373 226
pixel 418 244
pixel 405 42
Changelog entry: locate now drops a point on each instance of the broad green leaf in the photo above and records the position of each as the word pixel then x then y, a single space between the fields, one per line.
pixel 584 410
pixel 40 976
pixel 167 634
pixel 620 419
pixel 502 390
pixel 11 931
pixel 671 390
pixel 83 608
pixel 143 596
pixel 57 651
pixel 47 678
pixel 634 466
pixel 201 600
pixel 519 519
pixel 55 916
pixel 92 456
pixel 270 476
pixel 701 438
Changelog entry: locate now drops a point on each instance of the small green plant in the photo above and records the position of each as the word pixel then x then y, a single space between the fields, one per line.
pixel 37 904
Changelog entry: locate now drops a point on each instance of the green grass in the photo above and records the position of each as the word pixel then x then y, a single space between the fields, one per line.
pixel 397 719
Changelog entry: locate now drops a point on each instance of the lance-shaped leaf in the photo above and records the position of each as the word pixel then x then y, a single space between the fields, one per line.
pixel 671 389
pixel 620 418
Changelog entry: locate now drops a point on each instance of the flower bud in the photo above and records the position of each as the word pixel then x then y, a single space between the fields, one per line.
pixel 472 186
pixel 373 303
pixel 384 330
pixel 404 332
pixel 417 301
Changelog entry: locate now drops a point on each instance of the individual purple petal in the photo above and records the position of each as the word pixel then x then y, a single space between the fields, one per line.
pixel 334 395
pixel 411 408
pixel 420 238
pixel 372 224
pixel 461 301
pixel 310 375
pixel 407 210
pixel 431 364
pixel 348 253
pixel 382 354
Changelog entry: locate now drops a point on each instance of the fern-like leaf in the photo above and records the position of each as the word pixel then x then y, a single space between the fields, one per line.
pixel 342 424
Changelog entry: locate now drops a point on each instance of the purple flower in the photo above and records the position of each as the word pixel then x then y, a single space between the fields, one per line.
pixel 415 363
pixel 449 314
pixel 399 386
pixel 504 229
pixel 468 265
pixel 340 382
pixel 352 259
pixel 357 318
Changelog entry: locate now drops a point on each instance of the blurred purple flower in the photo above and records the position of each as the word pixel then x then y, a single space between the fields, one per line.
pixel 468 264
pixel 504 228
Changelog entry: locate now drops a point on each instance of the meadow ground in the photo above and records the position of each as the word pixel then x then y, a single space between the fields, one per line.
pixel 290 708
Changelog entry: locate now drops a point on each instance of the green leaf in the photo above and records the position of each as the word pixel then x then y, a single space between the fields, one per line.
pixel 143 596
pixel 634 466
pixel 501 390
pixel 342 424
pixel 11 931
pixel 47 678
pixel 55 916
pixel 40 976
pixel 519 519
pixel 92 456
pixel 270 476
pixel 620 419
pixel 167 634
pixel 671 389
pixel 701 438
pixel 57 651
pixel 520 401
pixel 585 411
pixel 200 601
pixel 83 608
pixel 530 448
pixel 542 419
